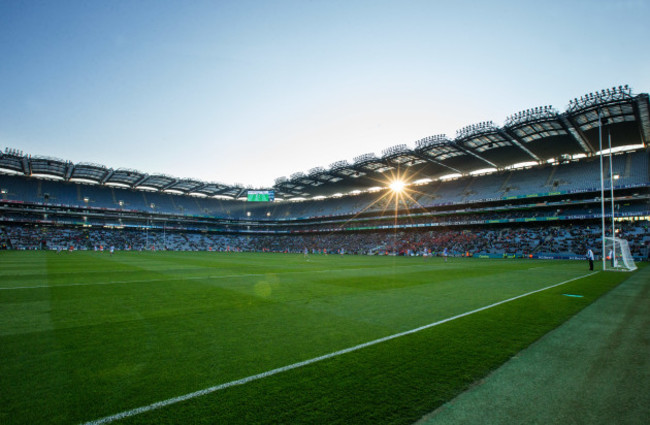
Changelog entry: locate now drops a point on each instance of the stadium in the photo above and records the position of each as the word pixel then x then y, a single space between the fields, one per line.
pixel 371 291
pixel 541 168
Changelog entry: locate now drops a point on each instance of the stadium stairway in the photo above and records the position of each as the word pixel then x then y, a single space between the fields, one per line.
pixel 549 180
pixel 594 369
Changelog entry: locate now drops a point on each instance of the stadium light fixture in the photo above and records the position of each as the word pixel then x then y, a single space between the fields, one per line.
pixel 450 176
pixel 10 171
pixel 82 180
pixel 483 171
pixel 519 165
pixel 422 181
pixel 618 149
pixel 116 184
pixel 48 176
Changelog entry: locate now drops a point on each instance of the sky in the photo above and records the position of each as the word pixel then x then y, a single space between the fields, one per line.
pixel 244 92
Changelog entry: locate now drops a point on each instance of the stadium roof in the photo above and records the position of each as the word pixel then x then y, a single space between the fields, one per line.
pixel 533 135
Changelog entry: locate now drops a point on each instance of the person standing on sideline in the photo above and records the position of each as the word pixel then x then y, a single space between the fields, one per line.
pixel 590 257
pixel 445 253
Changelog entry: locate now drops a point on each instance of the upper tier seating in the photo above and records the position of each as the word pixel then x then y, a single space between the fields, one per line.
pixel 629 168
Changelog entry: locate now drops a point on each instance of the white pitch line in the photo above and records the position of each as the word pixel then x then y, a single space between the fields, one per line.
pixel 170 401
pixel 115 282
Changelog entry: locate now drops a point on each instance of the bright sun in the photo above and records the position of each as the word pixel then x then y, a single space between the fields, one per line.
pixel 397 186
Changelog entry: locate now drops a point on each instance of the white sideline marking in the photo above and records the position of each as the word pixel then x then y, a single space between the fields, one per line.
pixel 229 276
pixel 170 401
pixel 115 282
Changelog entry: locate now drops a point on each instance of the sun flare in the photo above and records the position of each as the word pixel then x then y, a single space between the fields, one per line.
pixel 397 186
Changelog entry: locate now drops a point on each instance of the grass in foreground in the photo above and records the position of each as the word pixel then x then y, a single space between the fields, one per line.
pixel 92 335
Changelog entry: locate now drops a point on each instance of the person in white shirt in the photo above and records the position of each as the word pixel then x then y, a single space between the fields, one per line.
pixel 590 257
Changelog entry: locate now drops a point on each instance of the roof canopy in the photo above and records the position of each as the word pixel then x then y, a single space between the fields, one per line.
pixel 532 135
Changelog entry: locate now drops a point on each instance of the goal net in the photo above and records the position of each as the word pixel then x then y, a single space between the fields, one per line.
pixel 618 255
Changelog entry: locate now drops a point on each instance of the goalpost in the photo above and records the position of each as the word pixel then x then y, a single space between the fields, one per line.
pixel 616 251
pixel 618 255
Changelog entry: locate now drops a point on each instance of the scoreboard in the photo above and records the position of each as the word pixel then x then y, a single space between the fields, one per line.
pixel 260 196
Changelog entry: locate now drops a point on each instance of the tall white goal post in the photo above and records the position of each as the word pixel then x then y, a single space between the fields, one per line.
pixel 617 255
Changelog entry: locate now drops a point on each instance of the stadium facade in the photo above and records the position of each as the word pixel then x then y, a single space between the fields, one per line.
pixel 540 171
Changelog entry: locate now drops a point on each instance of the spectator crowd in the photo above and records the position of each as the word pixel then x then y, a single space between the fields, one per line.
pixel 564 239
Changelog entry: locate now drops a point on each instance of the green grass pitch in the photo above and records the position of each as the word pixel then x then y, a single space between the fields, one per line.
pixel 87 335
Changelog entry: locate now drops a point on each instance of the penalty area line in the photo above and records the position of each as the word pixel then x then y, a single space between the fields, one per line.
pixel 189 396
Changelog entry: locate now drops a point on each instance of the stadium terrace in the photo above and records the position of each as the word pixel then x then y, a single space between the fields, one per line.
pixel 541 169
pixel 535 136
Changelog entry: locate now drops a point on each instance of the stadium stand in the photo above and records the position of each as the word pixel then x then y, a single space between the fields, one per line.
pixel 549 208
pixel 546 180
pixel 565 241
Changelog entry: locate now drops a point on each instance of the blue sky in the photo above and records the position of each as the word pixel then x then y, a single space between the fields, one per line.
pixel 248 91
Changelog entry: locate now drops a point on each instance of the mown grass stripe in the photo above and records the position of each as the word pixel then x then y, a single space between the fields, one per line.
pixel 230 276
pixel 185 397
